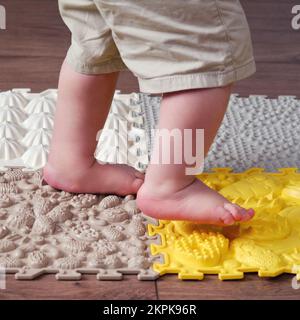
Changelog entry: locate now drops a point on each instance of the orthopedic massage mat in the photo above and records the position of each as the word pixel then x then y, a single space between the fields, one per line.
pixel 43 230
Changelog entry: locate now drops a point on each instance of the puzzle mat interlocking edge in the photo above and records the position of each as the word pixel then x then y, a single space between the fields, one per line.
pixel 142 118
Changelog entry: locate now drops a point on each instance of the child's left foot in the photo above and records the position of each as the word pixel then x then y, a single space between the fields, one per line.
pixel 195 202
pixel 96 178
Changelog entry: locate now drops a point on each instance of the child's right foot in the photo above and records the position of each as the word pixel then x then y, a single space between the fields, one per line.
pixel 96 178
pixel 195 202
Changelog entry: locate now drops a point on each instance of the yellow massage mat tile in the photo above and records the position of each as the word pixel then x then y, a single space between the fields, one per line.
pixel 269 244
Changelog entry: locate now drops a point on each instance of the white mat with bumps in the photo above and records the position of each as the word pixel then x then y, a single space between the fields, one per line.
pixel 256 132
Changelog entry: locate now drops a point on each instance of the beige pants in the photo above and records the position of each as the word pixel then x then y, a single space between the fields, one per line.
pixel 169 45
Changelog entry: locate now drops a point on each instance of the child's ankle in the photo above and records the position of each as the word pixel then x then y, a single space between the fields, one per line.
pixel 70 163
pixel 167 186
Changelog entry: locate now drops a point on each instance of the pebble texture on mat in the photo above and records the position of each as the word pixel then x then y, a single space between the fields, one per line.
pixel 43 230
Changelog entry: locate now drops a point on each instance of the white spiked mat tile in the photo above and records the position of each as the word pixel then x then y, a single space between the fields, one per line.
pixel 26 125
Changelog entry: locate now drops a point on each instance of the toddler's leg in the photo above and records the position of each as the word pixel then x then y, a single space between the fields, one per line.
pixel 82 107
pixel 168 193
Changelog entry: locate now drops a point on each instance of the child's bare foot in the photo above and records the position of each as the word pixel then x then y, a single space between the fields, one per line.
pixel 195 202
pixel 95 178
pixel 168 193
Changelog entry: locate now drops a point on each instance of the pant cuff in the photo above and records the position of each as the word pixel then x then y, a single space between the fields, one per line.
pixel 107 66
pixel 196 80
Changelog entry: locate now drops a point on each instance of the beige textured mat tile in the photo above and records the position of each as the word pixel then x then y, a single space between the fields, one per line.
pixel 43 230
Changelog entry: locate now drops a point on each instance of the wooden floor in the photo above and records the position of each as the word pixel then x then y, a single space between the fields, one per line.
pixel 31 51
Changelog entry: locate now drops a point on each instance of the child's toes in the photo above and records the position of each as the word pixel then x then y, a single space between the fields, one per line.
pixel 235 210
pixel 228 220
pixel 248 214
pixel 225 216
pixel 251 212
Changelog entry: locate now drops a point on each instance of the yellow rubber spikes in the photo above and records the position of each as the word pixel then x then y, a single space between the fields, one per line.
pixel 268 244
